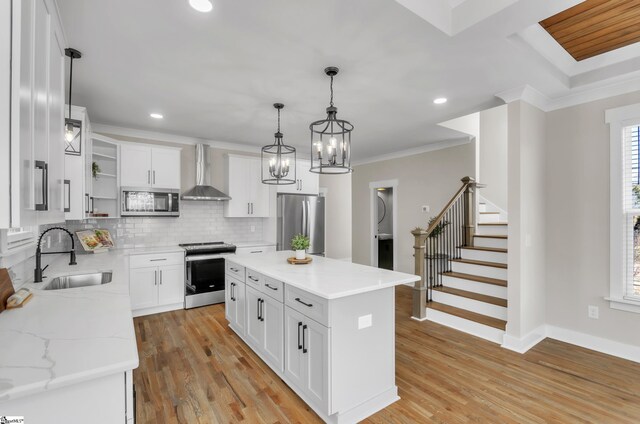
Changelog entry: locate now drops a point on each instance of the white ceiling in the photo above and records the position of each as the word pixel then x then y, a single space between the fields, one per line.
pixel 215 76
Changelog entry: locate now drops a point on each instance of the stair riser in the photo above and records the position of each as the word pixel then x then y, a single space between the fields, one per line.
pixel 501 230
pixel 481 270
pixel 490 242
pixel 489 217
pixel 461 324
pixel 476 287
pixel 472 305
pixel 482 207
pixel 482 255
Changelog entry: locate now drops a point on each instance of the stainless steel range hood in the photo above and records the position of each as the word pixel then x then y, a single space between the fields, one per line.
pixel 202 191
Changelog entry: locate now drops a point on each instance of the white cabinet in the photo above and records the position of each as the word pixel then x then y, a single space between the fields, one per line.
pixel 262 248
pixel 156 283
pixel 265 326
pixel 146 166
pixel 74 170
pixel 235 303
pixel 249 197
pixel 307 182
pixel 5 113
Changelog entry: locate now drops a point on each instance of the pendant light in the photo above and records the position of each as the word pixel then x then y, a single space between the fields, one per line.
pixel 72 126
pixel 278 159
pixel 331 139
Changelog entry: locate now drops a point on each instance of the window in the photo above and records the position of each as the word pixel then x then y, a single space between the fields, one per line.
pixel 14 238
pixel 624 124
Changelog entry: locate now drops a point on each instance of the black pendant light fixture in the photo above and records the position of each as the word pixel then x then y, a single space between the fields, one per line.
pixel 331 139
pixel 278 159
pixel 72 127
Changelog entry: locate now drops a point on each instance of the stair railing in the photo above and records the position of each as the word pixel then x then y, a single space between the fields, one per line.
pixel 446 234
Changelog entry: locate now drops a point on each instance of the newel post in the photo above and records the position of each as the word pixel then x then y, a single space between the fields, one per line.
pixel 469 224
pixel 420 288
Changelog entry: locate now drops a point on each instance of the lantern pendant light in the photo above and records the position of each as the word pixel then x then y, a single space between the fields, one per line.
pixel 72 133
pixel 331 139
pixel 278 159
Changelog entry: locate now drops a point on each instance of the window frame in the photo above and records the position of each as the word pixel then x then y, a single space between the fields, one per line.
pixel 618 119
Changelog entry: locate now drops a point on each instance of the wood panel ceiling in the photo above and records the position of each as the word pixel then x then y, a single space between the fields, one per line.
pixel 594 27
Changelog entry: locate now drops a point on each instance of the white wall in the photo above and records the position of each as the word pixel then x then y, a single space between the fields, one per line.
pixel 578 222
pixel 430 178
pixel 492 152
pixel 337 215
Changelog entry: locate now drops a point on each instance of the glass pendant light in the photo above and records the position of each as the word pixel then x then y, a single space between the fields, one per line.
pixel 278 159
pixel 72 133
pixel 331 139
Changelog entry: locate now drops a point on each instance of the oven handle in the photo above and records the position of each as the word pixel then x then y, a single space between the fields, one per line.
pixel 205 257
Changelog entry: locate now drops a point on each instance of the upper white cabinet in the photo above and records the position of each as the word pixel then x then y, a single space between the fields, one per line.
pixel 249 197
pixel 36 113
pixel 5 112
pixel 146 166
pixel 306 182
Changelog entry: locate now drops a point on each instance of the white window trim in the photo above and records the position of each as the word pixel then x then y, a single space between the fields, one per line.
pixel 617 119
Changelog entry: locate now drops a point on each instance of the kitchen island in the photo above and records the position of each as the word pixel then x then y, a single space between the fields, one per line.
pixel 326 328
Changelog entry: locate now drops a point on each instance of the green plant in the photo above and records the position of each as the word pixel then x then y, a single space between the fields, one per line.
pixel 438 229
pixel 300 242
pixel 95 168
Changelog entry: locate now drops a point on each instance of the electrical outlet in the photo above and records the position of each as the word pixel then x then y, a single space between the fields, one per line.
pixel 594 312
pixel 252 228
pixel 425 208
pixel 365 321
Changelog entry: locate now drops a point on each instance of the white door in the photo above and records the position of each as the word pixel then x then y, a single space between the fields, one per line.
pixel 240 305
pixel 41 107
pixel 309 182
pixel 273 312
pixel 315 347
pixel 171 284
pixel 229 304
pixel 238 175
pixel 166 168
pixel 294 365
pixel 143 287
pixel 135 166
pixel 255 327
pixel 259 193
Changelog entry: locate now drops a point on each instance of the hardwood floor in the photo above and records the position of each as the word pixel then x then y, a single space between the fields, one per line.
pixel 194 369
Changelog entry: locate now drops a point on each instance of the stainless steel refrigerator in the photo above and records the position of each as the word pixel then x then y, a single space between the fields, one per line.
pixel 301 214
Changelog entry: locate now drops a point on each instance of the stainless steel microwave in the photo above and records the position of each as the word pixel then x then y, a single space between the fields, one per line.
pixel 145 201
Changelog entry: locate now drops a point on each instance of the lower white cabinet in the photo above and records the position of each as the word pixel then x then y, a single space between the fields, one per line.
pixel 256 249
pixel 265 326
pixel 156 283
pixel 235 303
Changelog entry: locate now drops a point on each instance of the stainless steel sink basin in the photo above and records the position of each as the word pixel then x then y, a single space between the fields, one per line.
pixel 81 280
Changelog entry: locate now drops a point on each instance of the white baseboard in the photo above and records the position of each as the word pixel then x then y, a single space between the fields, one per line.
pixel 523 344
pixel 418 319
pixel 610 347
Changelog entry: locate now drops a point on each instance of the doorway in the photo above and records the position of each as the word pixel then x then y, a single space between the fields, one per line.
pixel 384 224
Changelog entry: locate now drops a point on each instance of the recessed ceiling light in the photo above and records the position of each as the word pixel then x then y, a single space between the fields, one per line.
pixel 440 100
pixel 156 115
pixel 201 5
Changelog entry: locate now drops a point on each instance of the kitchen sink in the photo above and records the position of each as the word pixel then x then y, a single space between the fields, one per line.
pixel 81 280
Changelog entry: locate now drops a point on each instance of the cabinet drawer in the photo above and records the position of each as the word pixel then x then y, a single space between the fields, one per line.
pixel 233 277
pixel 273 288
pixel 255 249
pixel 255 279
pixel 234 269
pixel 161 259
pixel 308 304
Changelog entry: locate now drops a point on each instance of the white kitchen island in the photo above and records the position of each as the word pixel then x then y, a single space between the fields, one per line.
pixel 326 328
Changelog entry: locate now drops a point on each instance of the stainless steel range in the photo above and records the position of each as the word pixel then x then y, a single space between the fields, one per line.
pixel 205 272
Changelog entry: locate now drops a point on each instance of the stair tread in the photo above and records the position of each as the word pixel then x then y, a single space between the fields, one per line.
pixel 486 213
pixel 494 223
pixel 481 263
pixel 472 295
pixel 485 249
pixel 497 236
pixel 471 316
pixel 478 278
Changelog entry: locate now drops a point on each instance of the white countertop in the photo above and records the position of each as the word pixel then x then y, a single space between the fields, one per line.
pixel 64 337
pixel 253 243
pixel 324 277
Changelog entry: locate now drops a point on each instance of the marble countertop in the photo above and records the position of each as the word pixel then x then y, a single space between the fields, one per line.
pixel 64 337
pixel 324 277
pixel 254 243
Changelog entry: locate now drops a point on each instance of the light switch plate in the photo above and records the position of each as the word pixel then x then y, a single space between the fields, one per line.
pixel 594 312
pixel 365 321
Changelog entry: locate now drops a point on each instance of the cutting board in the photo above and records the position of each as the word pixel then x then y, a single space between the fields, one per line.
pixel 6 288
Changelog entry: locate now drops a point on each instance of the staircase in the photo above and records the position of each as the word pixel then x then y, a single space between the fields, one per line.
pixel 473 294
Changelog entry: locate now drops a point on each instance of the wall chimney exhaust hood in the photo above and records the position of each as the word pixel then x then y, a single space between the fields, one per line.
pixel 202 191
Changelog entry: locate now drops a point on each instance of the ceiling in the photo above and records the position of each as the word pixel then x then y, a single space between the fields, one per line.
pixel 215 76
pixel 595 27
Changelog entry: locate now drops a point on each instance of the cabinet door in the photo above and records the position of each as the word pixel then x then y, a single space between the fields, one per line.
pixel 294 365
pixel 237 177
pixel 42 22
pixel 255 327
pixel 316 343
pixel 170 284
pixel 135 166
pixel 229 304
pixel 240 306
pixel 143 287
pixel 5 114
pixel 166 168
pixel 273 312
pixel 309 182
pixel 258 192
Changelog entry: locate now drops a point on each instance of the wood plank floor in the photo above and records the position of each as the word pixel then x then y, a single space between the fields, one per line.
pixel 194 369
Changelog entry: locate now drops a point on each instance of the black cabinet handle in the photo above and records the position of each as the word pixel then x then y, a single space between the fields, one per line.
pixel 270 287
pixel 233 269
pixel 305 304
pixel 304 340
pixel 299 345
pixel 259 309
pixel 254 279
pixel 67 200
pixel 44 167
pixel 262 310
pixel 231 290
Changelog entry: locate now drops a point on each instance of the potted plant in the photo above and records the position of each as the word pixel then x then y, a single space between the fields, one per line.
pixel 300 244
pixel 95 170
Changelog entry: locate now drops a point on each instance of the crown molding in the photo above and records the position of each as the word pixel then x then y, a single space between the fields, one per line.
pixel 445 144
pixel 170 138
pixel 527 94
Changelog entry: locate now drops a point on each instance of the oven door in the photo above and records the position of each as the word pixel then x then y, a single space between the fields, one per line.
pixel 205 274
